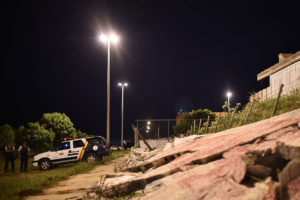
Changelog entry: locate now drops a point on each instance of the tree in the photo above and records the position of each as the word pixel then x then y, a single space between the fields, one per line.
pixel 20 135
pixel 80 134
pixel 7 135
pixel 38 137
pixel 60 124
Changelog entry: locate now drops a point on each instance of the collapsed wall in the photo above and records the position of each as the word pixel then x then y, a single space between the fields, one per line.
pixel 154 143
pixel 256 161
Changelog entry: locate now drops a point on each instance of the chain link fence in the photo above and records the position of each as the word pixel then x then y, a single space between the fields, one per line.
pixel 156 128
pixel 160 131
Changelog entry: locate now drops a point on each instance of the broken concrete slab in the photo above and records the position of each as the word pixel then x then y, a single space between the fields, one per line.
pixel 289 173
pixel 256 161
pixel 215 144
pixel 293 188
pixel 154 143
pixel 290 150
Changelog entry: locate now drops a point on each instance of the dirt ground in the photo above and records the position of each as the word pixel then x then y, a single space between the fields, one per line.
pixel 76 187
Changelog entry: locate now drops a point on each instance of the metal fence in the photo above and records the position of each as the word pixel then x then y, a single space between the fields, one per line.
pixel 159 129
pixel 155 128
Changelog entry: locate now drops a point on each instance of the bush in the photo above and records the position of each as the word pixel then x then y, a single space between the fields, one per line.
pixel 185 124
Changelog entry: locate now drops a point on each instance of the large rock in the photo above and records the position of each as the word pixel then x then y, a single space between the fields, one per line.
pixel 256 161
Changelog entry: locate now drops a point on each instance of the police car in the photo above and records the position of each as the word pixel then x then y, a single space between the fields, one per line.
pixel 72 150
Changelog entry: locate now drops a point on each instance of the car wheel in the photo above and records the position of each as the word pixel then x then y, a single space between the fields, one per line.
pixel 45 164
pixel 91 157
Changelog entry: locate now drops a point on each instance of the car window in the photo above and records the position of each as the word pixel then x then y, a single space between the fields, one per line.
pixel 78 143
pixel 64 145
pixel 95 141
pixel 101 141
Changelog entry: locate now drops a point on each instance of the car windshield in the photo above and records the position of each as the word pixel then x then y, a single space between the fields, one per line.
pixel 62 146
pixel 95 141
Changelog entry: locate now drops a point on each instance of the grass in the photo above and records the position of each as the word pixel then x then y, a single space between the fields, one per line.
pixel 18 185
pixel 260 111
pixel 129 196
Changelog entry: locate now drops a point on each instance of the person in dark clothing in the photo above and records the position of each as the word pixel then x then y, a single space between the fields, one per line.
pixel 9 156
pixel 23 152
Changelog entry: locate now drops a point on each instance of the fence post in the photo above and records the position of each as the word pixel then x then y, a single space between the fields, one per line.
pixel 206 128
pixel 200 123
pixel 194 127
pixel 248 114
pixel 168 130
pixel 188 132
pixel 135 134
pixel 231 120
pixel 141 136
pixel 277 100
pixel 158 132
pixel 217 124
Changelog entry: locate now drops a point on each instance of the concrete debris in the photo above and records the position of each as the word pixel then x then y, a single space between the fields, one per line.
pixel 154 143
pixel 293 188
pixel 91 195
pixel 255 161
pixel 138 156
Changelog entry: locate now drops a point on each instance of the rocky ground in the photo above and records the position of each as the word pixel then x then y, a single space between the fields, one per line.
pixel 256 161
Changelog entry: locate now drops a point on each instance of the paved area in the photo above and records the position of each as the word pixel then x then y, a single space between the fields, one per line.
pixel 76 187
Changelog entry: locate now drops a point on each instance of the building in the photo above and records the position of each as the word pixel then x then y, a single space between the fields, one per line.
pixel 220 114
pixel 286 72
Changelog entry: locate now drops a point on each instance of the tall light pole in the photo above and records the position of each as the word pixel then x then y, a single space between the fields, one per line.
pixel 108 39
pixel 229 94
pixel 122 111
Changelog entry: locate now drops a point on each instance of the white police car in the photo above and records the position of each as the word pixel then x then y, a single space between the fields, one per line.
pixel 89 149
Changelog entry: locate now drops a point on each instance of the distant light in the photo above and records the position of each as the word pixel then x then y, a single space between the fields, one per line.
pixel 229 94
pixel 148 127
pixel 147 131
pixel 123 84
pixel 148 122
pixel 103 38
pixel 111 38
pixel 114 38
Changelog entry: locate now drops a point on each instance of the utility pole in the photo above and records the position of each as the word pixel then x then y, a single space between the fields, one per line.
pixel 122 85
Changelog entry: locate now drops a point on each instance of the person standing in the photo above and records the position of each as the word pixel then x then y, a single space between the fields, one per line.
pixel 23 152
pixel 9 156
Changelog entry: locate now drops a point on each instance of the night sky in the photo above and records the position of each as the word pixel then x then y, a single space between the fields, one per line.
pixel 172 54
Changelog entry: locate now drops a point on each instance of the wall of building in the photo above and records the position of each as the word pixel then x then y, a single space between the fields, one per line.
pixel 288 76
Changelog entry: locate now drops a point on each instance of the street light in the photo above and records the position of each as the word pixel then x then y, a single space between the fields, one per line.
pixel 229 94
pixel 122 111
pixel 108 39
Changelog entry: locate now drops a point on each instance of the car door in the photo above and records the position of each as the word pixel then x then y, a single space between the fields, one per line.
pixel 61 153
pixel 78 148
